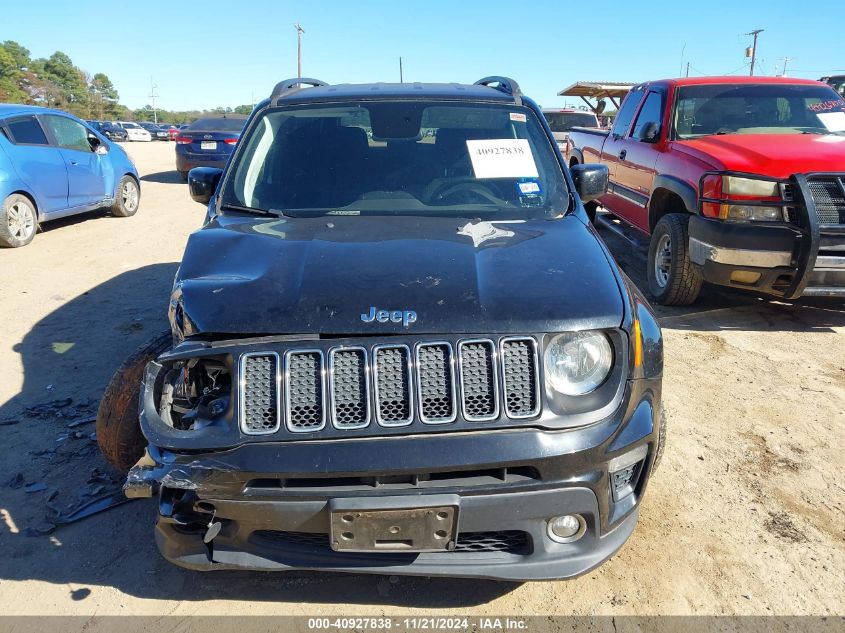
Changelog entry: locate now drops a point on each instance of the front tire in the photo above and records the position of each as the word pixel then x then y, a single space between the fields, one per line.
pixel 672 279
pixel 128 198
pixel 18 221
pixel 118 429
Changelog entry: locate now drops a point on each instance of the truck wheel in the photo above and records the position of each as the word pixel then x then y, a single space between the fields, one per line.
pixel 118 430
pixel 672 280
pixel 18 221
pixel 661 443
pixel 128 198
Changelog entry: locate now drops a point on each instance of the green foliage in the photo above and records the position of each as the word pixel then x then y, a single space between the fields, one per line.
pixel 57 83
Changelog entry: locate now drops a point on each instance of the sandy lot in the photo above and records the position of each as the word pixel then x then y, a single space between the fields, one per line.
pixel 746 515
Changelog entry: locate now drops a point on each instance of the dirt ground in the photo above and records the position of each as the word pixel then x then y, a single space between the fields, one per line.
pixel 746 515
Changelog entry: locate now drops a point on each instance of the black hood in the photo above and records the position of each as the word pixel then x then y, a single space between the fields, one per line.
pixel 259 276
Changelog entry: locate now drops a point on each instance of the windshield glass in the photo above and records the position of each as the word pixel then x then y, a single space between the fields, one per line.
pixel 398 157
pixel 565 121
pixel 758 109
pixel 217 125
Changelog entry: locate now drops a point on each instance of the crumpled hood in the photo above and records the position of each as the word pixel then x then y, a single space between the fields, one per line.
pixel 776 155
pixel 260 276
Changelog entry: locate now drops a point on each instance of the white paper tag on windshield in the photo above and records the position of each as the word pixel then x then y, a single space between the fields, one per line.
pixel 833 121
pixel 502 158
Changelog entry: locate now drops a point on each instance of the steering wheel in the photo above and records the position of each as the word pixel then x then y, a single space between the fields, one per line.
pixel 468 186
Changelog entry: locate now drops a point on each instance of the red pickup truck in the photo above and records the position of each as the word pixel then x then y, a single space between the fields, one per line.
pixel 739 181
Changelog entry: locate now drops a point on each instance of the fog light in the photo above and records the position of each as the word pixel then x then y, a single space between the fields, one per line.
pixel 745 277
pixel 566 528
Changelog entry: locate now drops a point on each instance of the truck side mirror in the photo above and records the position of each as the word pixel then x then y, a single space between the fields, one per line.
pixel 650 132
pixel 590 181
pixel 202 182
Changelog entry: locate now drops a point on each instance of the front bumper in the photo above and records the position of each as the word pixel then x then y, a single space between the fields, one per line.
pixel 775 260
pixel 273 498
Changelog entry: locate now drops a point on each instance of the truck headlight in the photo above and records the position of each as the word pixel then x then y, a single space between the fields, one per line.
pixel 577 363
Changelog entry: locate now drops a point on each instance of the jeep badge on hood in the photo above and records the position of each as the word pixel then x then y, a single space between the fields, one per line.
pixel 405 317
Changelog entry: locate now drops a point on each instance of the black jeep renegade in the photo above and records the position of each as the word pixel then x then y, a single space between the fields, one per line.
pixel 398 346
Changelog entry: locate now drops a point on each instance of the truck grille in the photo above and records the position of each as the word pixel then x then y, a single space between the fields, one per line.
pixel 434 384
pixel 829 198
pixel 509 541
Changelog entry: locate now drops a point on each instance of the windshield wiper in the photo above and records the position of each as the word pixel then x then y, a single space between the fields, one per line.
pixel 244 209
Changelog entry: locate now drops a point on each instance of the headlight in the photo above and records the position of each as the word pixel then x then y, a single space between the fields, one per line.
pixel 578 362
pixel 750 187
pixel 754 213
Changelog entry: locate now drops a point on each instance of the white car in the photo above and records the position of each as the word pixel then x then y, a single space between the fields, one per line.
pixel 135 131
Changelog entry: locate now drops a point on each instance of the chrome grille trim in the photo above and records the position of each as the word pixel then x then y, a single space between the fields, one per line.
pixel 494 363
pixel 333 388
pixel 322 392
pixel 451 396
pixel 382 421
pixel 242 387
pixel 536 367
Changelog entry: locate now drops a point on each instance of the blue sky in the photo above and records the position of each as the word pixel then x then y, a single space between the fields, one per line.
pixel 208 54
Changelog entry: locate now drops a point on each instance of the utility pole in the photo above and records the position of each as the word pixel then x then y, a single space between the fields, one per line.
pixel 153 96
pixel 299 32
pixel 401 78
pixel 754 33
pixel 687 69
pixel 786 60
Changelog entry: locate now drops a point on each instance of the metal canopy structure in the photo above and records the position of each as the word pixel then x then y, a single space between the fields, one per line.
pixel 598 90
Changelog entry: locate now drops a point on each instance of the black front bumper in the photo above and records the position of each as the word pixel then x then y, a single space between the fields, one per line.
pixel 273 498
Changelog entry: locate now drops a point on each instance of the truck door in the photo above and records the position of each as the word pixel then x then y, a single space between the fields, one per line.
pixel 612 151
pixel 637 159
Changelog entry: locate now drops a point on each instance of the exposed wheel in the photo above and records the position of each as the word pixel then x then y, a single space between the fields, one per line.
pixel 118 429
pixel 591 208
pixel 128 198
pixel 184 176
pixel 18 221
pixel 672 280
pixel 661 443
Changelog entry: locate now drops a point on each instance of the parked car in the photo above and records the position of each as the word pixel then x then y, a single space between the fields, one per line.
pixel 135 132
pixel 837 82
pixel 562 120
pixel 738 181
pixel 207 142
pixel 110 130
pixel 157 132
pixel 172 132
pixel 52 165
pixel 398 356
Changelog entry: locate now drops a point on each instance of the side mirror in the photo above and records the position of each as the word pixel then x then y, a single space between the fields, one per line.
pixel 650 132
pixel 202 182
pixel 590 181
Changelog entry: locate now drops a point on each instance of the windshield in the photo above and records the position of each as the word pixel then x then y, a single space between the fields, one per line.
pixel 217 125
pixel 398 157
pixel 758 109
pixel 565 121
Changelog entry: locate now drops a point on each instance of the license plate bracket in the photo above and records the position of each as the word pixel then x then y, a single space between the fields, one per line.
pixel 208 144
pixel 378 527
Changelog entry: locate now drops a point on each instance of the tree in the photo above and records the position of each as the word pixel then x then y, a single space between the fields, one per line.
pixel 243 109
pixel 73 88
pixel 103 97
pixel 11 72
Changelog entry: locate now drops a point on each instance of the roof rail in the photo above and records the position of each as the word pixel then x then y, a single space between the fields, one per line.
pixel 503 84
pixel 290 85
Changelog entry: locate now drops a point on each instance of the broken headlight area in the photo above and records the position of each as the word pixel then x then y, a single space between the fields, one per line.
pixel 195 393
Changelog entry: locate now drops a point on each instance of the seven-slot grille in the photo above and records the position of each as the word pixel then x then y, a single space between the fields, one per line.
pixel 395 384
pixel 829 197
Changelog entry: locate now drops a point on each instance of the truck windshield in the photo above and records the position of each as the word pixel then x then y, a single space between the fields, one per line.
pixel 565 121
pixel 398 158
pixel 758 109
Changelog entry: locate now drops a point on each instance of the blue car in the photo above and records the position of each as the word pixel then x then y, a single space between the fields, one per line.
pixel 53 165
pixel 207 142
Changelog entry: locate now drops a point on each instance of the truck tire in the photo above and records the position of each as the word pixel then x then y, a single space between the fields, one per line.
pixel 18 221
pixel 128 198
pixel 672 280
pixel 661 442
pixel 118 430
